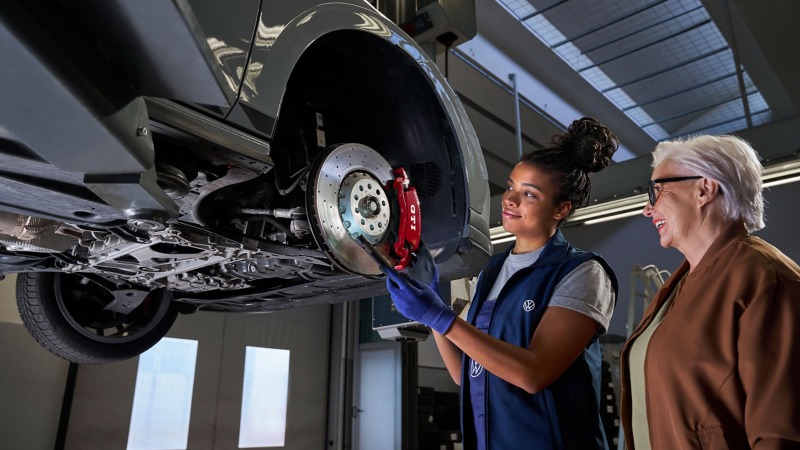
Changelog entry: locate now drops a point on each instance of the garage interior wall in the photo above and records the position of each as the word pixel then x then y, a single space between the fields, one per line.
pixel 32 381
pixel 103 400
pixel 432 371
pixel 634 240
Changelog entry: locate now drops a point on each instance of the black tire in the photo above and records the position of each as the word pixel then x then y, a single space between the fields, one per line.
pixel 40 307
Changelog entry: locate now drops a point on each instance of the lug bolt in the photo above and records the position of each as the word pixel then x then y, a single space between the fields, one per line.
pixel 356 197
pixel 383 202
pixel 361 188
pixel 363 222
pixel 380 225
pixel 346 224
pixel 342 209
pixel 369 186
pixel 372 227
pixel 341 194
pixel 357 211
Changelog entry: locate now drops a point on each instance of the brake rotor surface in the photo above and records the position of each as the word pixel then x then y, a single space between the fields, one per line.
pixel 349 200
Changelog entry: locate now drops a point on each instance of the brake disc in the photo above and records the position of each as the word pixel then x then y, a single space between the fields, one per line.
pixel 347 197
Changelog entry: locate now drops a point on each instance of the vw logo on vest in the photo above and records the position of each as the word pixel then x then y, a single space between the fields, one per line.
pixel 475 369
pixel 528 305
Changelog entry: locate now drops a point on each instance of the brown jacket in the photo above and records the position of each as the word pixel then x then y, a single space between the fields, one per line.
pixel 723 368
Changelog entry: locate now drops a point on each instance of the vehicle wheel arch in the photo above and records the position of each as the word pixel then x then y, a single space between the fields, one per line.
pixel 414 131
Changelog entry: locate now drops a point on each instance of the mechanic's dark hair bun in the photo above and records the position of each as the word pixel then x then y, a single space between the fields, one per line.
pixel 586 147
pixel 590 143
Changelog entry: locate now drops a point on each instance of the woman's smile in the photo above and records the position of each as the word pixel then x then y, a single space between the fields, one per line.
pixel 660 224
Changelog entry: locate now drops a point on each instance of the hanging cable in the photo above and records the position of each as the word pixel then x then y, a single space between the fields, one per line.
pixel 447 39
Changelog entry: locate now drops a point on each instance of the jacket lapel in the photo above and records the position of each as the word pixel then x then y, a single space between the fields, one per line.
pixel 554 252
pixel 730 234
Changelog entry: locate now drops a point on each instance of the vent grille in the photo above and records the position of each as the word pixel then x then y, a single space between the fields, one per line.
pixel 426 178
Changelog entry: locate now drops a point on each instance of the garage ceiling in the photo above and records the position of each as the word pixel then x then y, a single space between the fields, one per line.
pixel 664 63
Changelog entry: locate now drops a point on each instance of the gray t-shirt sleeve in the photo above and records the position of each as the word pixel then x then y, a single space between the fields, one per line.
pixel 587 290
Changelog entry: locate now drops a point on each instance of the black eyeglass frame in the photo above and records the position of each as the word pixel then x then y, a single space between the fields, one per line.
pixel 651 188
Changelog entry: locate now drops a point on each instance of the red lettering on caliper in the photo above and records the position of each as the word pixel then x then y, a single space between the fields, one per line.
pixel 409 231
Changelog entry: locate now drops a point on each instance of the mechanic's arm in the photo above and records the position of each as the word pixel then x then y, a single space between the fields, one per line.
pixel 769 367
pixel 559 339
pixel 451 355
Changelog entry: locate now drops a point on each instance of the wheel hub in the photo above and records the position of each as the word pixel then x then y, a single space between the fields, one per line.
pixel 364 207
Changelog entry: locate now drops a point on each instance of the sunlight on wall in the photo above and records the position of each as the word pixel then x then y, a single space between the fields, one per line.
pixel 265 397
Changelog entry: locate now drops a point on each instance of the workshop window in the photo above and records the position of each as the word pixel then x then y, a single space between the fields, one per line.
pixel 162 401
pixel 264 398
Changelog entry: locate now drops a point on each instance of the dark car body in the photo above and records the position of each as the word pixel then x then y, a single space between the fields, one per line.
pixel 133 134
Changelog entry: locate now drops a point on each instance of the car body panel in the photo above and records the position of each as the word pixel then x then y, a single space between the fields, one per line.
pixel 228 28
pixel 161 48
pixel 287 29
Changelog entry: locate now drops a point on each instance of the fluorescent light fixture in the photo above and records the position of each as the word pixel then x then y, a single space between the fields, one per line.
pixel 162 399
pixel 614 217
pixel 781 174
pixel 265 397
pixel 632 206
pixel 780 182
pixel 499 235
pixel 503 240
pixel 589 215
pixel 625 205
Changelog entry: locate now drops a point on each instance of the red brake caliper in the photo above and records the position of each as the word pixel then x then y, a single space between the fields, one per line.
pixel 409 230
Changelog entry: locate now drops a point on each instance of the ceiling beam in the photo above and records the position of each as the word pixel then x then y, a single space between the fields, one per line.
pixel 768 42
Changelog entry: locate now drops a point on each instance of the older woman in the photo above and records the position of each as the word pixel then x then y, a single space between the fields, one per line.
pixel 715 361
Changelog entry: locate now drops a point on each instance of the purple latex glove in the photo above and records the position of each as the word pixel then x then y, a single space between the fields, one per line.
pixel 418 302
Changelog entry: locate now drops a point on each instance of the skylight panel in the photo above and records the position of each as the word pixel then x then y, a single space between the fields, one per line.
pixel 642 53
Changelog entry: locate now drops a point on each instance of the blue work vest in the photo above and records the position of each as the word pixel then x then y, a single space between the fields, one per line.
pixel 566 415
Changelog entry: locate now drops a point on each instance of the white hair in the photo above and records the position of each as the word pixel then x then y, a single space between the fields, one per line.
pixel 728 160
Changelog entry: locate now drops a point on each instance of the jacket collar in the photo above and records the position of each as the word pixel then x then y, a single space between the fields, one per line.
pixel 554 252
pixel 734 232
pixel 729 235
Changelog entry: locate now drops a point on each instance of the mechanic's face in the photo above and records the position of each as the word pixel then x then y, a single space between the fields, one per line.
pixel 529 210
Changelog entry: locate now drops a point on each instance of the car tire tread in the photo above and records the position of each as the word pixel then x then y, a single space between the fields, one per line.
pixel 48 334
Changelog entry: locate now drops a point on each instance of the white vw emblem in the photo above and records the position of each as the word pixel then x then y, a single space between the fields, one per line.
pixel 475 369
pixel 528 305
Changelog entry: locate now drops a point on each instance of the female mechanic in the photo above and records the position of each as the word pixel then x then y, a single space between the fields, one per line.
pixel 527 357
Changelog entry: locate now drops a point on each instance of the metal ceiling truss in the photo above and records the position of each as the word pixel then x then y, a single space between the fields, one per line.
pixel 609 23
pixel 635 32
pixel 642 47
pixel 546 8
pixel 682 91
pixel 668 69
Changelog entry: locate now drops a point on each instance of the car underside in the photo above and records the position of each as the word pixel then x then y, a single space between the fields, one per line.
pixel 223 217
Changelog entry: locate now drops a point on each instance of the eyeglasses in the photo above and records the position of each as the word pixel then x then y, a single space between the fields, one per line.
pixel 651 190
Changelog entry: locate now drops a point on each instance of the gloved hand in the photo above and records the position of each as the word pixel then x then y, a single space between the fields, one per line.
pixel 434 285
pixel 418 302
